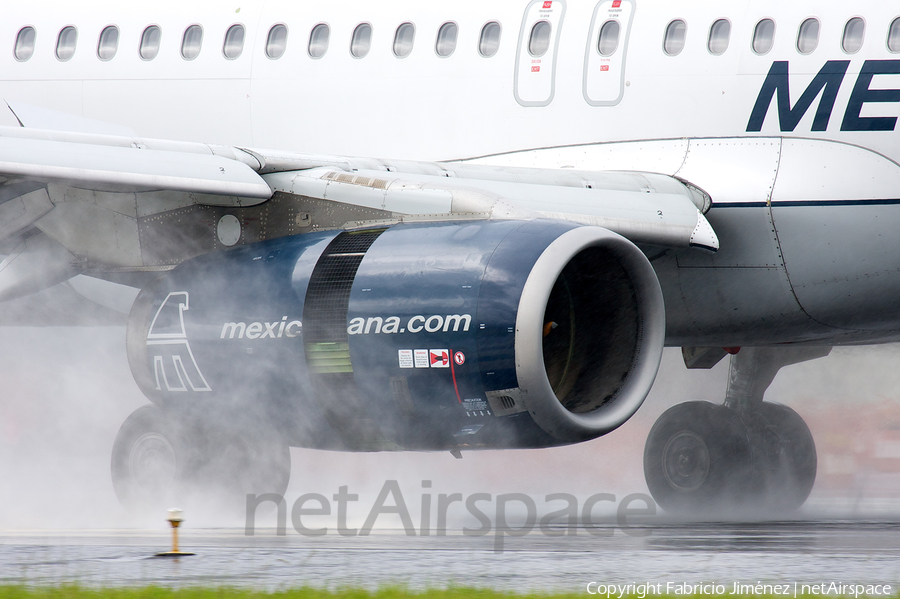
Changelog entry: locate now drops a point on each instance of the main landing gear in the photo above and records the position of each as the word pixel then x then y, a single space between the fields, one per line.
pixel 163 458
pixel 705 459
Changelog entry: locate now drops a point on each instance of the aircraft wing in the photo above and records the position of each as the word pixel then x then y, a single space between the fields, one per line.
pixel 105 162
pixel 123 208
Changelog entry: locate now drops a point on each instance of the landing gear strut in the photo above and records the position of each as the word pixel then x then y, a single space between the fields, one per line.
pixel 708 459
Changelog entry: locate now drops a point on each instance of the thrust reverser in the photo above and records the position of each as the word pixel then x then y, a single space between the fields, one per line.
pixel 479 334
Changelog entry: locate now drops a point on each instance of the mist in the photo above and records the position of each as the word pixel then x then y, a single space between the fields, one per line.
pixel 67 390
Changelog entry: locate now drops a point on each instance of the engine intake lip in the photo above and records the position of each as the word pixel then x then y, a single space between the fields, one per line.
pixel 539 398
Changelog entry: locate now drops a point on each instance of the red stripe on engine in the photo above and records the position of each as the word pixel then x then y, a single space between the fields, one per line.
pixel 453 374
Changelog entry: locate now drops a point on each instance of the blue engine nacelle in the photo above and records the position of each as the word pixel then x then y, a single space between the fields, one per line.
pixel 488 334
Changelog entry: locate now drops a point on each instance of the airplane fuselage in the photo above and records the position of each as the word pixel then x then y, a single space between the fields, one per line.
pixel 797 149
pixel 476 105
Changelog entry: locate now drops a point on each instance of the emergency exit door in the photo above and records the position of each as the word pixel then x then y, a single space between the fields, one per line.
pixel 536 54
pixel 604 57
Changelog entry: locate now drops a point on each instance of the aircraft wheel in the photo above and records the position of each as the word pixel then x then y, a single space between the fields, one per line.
pixel 787 460
pixel 242 462
pixel 161 459
pixel 697 459
pixel 147 460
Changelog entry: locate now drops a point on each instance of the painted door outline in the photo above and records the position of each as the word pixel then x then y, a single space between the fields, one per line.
pixel 535 83
pixel 604 76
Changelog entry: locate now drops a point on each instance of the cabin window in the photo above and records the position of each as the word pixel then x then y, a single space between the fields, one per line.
pixel 489 42
pixel 65 43
pixel 719 36
pixel 609 38
pixel 673 43
pixel 403 40
pixel 108 43
pixel 539 40
pixel 854 32
pixel 191 42
pixel 361 41
pixel 150 42
pixel 893 40
pixel 234 42
pixel 808 36
pixel 318 40
pixel 276 42
pixel 24 44
pixel 763 36
pixel 446 39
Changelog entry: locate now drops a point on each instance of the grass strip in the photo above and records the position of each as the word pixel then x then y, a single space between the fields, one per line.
pixel 155 592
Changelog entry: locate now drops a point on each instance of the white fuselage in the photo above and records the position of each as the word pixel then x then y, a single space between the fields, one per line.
pixel 425 106
pixel 807 248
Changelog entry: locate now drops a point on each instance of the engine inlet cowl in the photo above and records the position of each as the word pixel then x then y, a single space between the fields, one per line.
pixel 589 334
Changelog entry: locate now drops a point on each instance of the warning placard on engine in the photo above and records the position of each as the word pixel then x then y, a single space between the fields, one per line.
pixel 421 358
pixel 439 358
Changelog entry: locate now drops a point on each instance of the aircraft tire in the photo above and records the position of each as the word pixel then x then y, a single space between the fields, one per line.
pixel 239 462
pixel 697 459
pixel 147 460
pixel 161 458
pixel 786 460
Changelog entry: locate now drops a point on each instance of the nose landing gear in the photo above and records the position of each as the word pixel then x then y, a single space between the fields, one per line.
pixel 705 459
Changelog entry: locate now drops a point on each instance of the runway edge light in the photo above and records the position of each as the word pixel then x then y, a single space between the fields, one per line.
pixel 175 519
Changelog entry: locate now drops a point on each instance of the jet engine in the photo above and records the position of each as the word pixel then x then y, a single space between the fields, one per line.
pixel 420 336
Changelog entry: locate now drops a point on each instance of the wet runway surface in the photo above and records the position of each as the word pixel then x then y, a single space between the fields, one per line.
pixel 823 551
pixel 67 392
